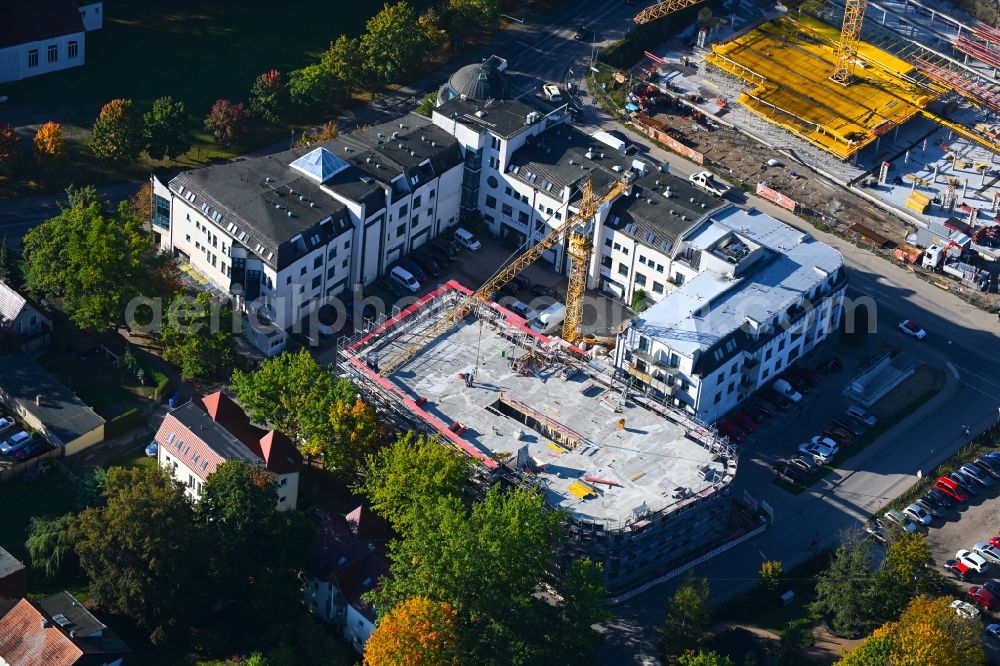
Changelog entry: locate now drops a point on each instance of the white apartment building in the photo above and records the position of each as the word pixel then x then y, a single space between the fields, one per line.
pixel 43 36
pixel 285 233
pixel 197 437
pixel 760 295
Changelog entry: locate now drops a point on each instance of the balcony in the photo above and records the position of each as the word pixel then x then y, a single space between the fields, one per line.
pixel 651 381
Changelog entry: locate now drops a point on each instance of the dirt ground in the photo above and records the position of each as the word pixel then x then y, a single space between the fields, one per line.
pixel 924 379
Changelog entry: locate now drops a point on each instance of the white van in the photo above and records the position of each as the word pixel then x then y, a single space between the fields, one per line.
pixel 552 92
pixel 467 240
pixel 784 388
pixel 549 320
pixel 404 279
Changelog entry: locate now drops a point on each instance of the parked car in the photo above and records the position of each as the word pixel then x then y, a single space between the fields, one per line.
pixel 993 630
pixel 780 401
pixel 853 426
pixel 440 258
pixel 584 34
pixel 988 465
pixel 944 501
pixel 784 389
pixel 791 473
pixel 953 490
pixel 151 449
pixel 993 586
pixel 974 562
pixel 521 310
pixel 861 415
pixel 968 484
pixel 876 531
pixel 447 247
pixel 987 551
pixel 393 288
pixel 980 596
pixel 899 520
pixel 981 477
pixel 732 431
pixel 918 514
pixel 821 453
pixel 839 435
pixel 829 366
pixel 807 375
pixel 15 443
pixel 428 266
pixel 764 406
pixel 932 508
pixel 808 463
pixel 742 420
pixel 414 268
pixel 467 239
pixel 31 449
pixel 911 328
pixel 825 441
pixel 995 541
pixel 755 412
pixel 6 423
pixel 548 292
pixel 965 610
pixel 957 568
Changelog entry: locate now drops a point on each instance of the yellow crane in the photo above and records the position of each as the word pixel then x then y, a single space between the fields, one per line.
pixel 850 34
pixel 579 266
pixel 661 9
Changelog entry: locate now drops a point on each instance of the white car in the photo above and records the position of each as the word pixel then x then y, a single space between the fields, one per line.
pixel 918 514
pixel 975 562
pixel 987 551
pixel 965 610
pixel 6 423
pixel 899 520
pixel 909 327
pixel 818 451
pixel 826 441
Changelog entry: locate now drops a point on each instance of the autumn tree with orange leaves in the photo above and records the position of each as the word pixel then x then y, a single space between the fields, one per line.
pixel 928 633
pixel 50 149
pixel 417 632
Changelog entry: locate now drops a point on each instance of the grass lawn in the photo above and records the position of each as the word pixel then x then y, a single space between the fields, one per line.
pixel 50 496
pixel 134 458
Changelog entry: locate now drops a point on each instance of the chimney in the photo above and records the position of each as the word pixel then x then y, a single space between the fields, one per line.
pixel 38 399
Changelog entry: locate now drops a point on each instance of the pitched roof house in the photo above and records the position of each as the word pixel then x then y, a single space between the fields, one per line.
pixel 351 560
pixel 56 631
pixel 200 435
pixel 42 36
pixel 24 324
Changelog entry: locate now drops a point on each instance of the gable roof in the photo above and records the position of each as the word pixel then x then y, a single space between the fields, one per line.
pixel 355 565
pixel 34 20
pixel 367 525
pixel 24 640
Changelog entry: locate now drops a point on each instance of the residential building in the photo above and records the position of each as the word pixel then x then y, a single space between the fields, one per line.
pixel 284 233
pixel 25 325
pixel 48 406
pixel 13 576
pixel 351 560
pixel 56 631
pixel 42 36
pixel 762 295
pixel 197 437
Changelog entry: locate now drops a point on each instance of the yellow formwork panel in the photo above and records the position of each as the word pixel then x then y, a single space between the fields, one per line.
pixel 582 490
pixel 792 88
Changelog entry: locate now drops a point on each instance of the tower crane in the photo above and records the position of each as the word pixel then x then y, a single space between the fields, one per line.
pixel 661 9
pixel 579 267
pixel 850 34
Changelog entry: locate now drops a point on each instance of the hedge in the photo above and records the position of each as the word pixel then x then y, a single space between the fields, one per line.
pixel 122 423
pixel 162 384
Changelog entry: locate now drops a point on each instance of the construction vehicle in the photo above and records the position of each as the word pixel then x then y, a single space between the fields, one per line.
pixel 579 249
pixel 706 181
pixel 936 254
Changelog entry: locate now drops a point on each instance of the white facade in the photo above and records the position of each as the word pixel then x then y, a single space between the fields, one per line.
pixel 41 57
pixel 763 296
pixel 93 15
pixel 357 628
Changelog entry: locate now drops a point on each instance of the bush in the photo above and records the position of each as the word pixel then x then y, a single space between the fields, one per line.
pixel 122 423
pixel 162 384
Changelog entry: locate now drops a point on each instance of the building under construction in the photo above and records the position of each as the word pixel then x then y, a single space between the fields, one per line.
pixel 645 486
pixel 789 64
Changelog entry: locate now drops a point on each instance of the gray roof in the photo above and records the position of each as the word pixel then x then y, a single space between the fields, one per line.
pixel 711 309
pixel 11 303
pixel 87 632
pixel 213 434
pixel 64 415
pixel 480 81
pixel 504 118
pixel 272 202
pixel 8 563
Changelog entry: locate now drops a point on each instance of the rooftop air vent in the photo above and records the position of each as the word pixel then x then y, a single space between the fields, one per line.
pixel 301 198
pixel 602 156
pixel 434 144
pixel 480 113
pixel 395 135
pixel 423 137
pixel 572 162
pixel 312 204
pixel 649 201
pixel 289 213
pixel 400 146
pixel 267 179
pixel 668 193
pixel 692 199
pixel 402 126
pixel 657 181
pixel 590 155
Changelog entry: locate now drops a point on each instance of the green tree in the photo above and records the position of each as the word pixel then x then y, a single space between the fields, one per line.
pixel 165 129
pixel 874 651
pixel 345 63
pixel 84 196
pixel 312 87
pixel 50 546
pixel 487 563
pixel 10 149
pixel 846 592
pixel 238 514
pixel 795 635
pixel 269 96
pixel 93 262
pixel 704 658
pixel 142 551
pixel 257 659
pixel 10 268
pixel 394 44
pixel 294 394
pixel 905 575
pixel 770 575
pixel 117 132
pixel 688 616
pixel 197 336
pixel 584 604
pixel 227 121
pixel 411 473
pixel 465 17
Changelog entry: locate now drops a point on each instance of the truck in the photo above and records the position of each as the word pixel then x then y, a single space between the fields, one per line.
pixel 611 140
pixel 706 181
pixel 935 255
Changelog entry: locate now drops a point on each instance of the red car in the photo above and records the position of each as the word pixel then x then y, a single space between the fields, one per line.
pixel 951 489
pixel 732 431
pixel 995 541
pixel 981 597
pixel 743 420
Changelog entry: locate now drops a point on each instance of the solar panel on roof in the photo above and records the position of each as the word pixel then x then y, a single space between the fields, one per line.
pixel 320 164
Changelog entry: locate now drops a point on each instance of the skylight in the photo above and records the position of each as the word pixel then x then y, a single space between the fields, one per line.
pixel 321 165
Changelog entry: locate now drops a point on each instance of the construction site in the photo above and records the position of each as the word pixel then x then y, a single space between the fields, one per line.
pixel 644 486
